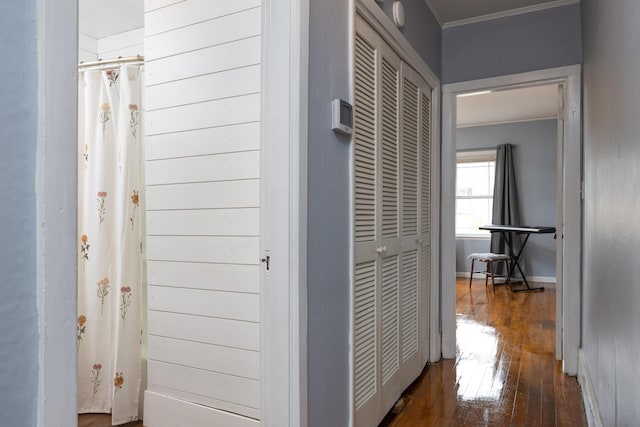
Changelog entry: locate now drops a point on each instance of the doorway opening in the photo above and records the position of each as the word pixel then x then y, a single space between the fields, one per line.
pixel 568 208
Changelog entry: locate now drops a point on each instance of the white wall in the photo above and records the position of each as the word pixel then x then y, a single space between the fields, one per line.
pixel 87 48
pixel 129 43
pixel 203 213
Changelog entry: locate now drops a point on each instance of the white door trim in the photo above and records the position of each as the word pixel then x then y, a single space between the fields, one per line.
pixel 56 187
pixel 285 48
pixel 572 246
pixel 380 22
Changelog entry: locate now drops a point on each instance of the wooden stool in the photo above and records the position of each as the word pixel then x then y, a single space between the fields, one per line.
pixel 489 258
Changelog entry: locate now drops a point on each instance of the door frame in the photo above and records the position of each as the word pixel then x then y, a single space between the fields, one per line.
pixel 284 139
pixel 569 292
pixel 56 188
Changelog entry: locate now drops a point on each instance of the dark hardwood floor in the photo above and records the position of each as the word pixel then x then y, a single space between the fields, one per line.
pixel 101 420
pixel 504 374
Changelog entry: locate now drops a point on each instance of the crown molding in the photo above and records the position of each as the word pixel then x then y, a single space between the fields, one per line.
pixel 434 12
pixel 505 13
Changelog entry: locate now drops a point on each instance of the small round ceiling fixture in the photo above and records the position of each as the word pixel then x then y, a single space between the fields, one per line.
pixel 398 14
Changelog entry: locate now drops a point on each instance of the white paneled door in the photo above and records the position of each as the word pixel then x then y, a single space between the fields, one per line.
pixel 392 105
pixel 204 179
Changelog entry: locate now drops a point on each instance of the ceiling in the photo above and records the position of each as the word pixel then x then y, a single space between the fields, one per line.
pixel 452 12
pixel 100 18
pixel 514 105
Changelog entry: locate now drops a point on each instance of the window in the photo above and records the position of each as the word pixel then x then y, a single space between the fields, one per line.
pixel 474 191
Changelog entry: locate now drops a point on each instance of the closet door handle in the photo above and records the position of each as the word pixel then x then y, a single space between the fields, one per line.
pixel 381 249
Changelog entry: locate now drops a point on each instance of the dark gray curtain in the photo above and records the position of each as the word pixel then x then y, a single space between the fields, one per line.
pixel 505 199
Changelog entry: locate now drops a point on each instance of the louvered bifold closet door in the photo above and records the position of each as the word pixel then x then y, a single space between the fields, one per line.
pixel 388 223
pixel 366 389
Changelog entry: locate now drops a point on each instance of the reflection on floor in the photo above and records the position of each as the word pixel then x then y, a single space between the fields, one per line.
pixel 504 372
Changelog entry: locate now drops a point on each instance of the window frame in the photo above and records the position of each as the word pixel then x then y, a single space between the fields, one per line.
pixel 473 156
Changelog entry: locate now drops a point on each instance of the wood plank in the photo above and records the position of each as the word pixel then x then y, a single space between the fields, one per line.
pixel 215 167
pixel 221 112
pixel 162 410
pixel 241 391
pixel 220 277
pixel 209 222
pixel 208 330
pixel 118 42
pixel 240 53
pixel 223 305
pixel 205 195
pixel 225 84
pixel 223 139
pixel 215 358
pixel 194 11
pixel 218 249
pixel 150 5
pixel 214 32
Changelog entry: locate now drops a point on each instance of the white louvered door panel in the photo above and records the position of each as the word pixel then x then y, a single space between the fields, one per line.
pixel 424 291
pixel 389 190
pixel 410 237
pixel 366 364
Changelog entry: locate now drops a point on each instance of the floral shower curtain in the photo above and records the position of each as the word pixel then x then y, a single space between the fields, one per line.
pixel 110 220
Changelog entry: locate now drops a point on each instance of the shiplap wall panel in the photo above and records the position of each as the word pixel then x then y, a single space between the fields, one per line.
pixel 225 84
pixel 236 54
pixel 220 112
pixel 194 275
pixel 208 330
pixel 202 123
pixel 218 222
pixel 222 139
pixel 182 15
pixel 223 249
pixel 243 391
pixel 205 34
pixel 218 167
pixel 87 48
pixel 205 195
pixel 129 43
pixel 202 411
pixel 150 5
pixel 224 305
pixel 232 361
pixel 164 411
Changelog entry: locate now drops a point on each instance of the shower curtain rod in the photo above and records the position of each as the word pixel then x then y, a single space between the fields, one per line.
pixel 111 62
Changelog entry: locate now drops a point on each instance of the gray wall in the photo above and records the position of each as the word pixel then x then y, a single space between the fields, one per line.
pixel 329 207
pixel 18 132
pixel 515 44
pixel 611 290
pixel 535 157
pixel 422 30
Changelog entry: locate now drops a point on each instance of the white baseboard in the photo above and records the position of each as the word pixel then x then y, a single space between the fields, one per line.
pixel 588 394
pixel 165 411
pixel 550 281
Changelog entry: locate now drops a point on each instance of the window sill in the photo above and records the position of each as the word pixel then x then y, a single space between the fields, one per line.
pixel 473 237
